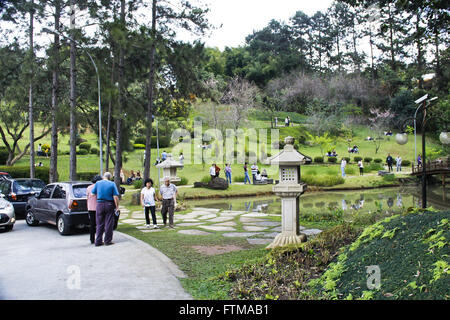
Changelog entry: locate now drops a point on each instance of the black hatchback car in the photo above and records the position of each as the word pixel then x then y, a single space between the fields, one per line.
pixel 18 191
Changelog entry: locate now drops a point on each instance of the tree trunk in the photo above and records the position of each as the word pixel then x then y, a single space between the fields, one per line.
pixel 73 97
pixel 119 140
pixel 30 94
pixel 148 147
pixel 53 174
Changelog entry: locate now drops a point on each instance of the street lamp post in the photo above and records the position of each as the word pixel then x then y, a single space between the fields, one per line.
pixel 99 93
pixel 401 138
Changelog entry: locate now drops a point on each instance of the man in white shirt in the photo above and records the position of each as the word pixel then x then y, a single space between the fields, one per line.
pixel 399 163
pixel 212 171
pixel 254 169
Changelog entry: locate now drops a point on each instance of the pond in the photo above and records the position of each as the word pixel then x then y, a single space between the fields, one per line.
pixel 390 199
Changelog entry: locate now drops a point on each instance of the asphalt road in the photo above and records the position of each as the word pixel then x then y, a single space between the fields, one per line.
pixel 38 263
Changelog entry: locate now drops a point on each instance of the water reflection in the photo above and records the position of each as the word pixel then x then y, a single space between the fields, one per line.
pixel 392 199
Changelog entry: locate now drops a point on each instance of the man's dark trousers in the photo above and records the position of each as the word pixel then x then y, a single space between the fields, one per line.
pixel 105 221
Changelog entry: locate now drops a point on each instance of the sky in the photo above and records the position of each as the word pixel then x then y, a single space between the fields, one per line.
pixel 239 18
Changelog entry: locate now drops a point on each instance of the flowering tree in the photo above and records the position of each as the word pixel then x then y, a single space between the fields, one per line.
pixel 379 122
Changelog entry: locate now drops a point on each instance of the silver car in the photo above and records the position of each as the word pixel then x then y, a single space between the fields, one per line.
pixel 63 204
pixel 7 216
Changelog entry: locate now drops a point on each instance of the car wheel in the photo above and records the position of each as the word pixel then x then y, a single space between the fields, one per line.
pixel 62 225
pixel 31 219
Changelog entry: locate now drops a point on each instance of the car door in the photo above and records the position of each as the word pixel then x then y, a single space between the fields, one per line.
pixel 41 209
pixel 58 201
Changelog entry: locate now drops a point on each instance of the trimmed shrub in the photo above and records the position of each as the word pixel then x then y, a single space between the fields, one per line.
pixel 82 152
pixel 84 145
pixel 139 146
pixel 368 159
pixel 3 156
pixel 95 151
pixel 164 142
pixel 140 140
pixel 183 182
pixel 86 176
pixel 406 163
pixel 318 160
pixel 332 159
pixel 138 184
pixel 24 172
pixel 346 159
pixel 378 160
pixel 323 181
pixel 357 159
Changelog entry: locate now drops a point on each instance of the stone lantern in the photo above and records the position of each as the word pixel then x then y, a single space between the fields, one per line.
pixel 289 189
pixel 169 167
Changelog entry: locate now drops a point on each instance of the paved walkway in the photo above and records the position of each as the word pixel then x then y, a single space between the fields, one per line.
pixel 38 263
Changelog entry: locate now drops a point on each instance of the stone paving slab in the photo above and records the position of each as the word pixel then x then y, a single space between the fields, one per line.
pixel 253 228
pixel 267 223
pixel 208 216
pixel 206 209
pixel 189 220
pixel 218 228
pixel 251 220
pixel 227 224
pixel 270 235
pixel 255 215
pixel 311 232
pixel 194 232
pixel 240 234
pixel 190 224
pixel 221 219
pixel 231 213
pixel 259 241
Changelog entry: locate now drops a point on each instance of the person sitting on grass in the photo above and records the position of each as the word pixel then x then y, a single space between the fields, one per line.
pixel 258 176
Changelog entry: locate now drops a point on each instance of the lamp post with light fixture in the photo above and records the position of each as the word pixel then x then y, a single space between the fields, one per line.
pixel 402 138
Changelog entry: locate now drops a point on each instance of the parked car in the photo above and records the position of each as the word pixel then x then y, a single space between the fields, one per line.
pixel 18 191
pixel 63 204
pixel 7 216
pixel 4 175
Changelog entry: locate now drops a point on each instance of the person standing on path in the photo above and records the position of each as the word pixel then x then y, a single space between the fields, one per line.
pixel 399 163
pixel 419 160
pixel 92 207
pixel 228 173
pixel 254 169
pixel 246 177
pixel 361 167
pixel 217 170
pixel 212 171
pixel 343 165
pixel 148 202
pixel 169 194
pixel 389 161
pixel 107 202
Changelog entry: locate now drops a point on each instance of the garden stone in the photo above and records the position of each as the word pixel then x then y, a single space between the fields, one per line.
pixel 267 224
pixel 270 235
pixel 253 228
pixel 215 184
pixel 208 216
pixel 250 220
pixel 227 224
pixel 205 209
pixel 240 234
pixel 192 224
pixel 194 232
pixel 221 219
pixel 218 228
pixel 254 215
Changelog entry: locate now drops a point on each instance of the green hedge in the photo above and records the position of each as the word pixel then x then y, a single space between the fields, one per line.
pixel 378 160
pixel 3 156
pixel 368 159
pixel 139 146
pixel 86 176
pixel 85 146
pixel 318 159
pixel 346 159
pixel 323 180
pixel 95 151
pixel 24 172
pixel 164 142
pixel 357 159
pixel 332 159
pixel 82 152
pixel 406 163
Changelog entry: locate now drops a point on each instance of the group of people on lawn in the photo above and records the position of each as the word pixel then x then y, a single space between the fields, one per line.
pixel 214 172
pixel 389 162
pixel 103 206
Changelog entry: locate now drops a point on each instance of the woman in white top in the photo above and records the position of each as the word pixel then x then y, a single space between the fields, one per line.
pixel 148 201
pixel 361 167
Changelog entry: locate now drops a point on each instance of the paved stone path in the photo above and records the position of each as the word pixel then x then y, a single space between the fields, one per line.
pixel 258 228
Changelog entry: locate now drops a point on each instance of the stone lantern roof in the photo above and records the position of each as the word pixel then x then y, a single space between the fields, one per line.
pixel 169 163
pixel 288 156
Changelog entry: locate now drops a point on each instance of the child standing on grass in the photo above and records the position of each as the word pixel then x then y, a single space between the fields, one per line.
pixel 361 167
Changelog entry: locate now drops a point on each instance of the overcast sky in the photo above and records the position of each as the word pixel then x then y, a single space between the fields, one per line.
pixel 239 18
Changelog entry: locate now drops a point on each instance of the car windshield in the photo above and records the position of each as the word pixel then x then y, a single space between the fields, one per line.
pixel 79 191
pixel 26 186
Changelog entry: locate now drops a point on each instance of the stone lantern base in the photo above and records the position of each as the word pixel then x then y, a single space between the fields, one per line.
pixel 285 239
